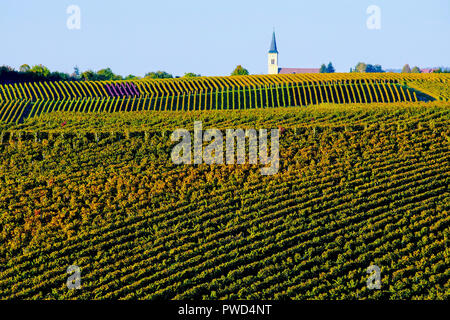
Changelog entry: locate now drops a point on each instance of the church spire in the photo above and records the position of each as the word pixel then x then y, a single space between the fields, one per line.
pixel 273 56
pixel 273 45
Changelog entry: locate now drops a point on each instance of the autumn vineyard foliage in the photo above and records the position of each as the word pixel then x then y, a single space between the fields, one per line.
pixel 86 179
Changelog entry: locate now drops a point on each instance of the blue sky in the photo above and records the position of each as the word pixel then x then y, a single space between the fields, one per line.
pixel 211 37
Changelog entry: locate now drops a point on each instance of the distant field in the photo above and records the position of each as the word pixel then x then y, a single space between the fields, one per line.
pixel 358 185
pixel 19 102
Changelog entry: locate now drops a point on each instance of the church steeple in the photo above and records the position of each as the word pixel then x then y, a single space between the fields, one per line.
pixel 273 56
pixel 273 45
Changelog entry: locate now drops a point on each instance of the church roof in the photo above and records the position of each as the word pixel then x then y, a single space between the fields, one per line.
pixel 273 45
pixel 428 70
pixel 297 70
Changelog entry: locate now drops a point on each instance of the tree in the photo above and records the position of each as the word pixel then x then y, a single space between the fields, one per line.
pixel 6 69
pixel 89 75
pixel 131 77
pixel 330 68
pixel 240 71
pixel 24 68
pixel 6 72
pixel 191 75
pixel 76 72
pixel 361 67
pixel 158 75
pixel 416 70
pixel 406 69
pixel 40 70
pixel 374 68
pixel 107 74
pixel 323 68
pixel 58 76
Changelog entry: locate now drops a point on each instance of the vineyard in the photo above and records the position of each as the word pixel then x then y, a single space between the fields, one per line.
pixel 363 181
pixel 19 102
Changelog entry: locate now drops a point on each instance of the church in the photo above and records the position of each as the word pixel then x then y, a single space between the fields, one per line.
pixel 273 62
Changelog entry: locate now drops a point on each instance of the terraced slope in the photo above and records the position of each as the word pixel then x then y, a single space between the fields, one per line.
pixel 357 186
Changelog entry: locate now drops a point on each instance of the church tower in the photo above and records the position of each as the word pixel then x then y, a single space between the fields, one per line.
pixel 273 56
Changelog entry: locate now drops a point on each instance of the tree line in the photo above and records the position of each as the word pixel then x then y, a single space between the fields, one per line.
pixel 40 72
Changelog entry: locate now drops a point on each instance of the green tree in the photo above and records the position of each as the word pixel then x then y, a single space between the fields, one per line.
pixel 131 77
pixel 58 76
pixel 158 75
pixel 24 68
pixel 240 71
pixel 107 74
pixel 406 69
pixel 191 75
pixel 330 68
pixel 323 68
pixel 40 70
pixel 89 75
pixel 416 70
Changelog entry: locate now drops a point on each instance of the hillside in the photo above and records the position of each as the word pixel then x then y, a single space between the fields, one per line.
pixel 358 185
pixel 21 102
